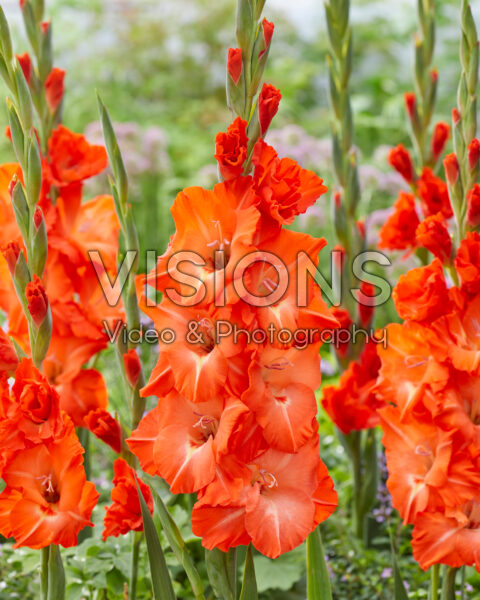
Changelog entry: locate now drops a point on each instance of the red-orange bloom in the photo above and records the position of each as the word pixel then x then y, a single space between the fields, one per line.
pixel 47 499
pixel 32 414
pixel 398 231
pixel 37 300
pixel 352 404
pixel 440 136
pixel 208 223
pixel 268 102
pixel 235 64
pixel 401 161
pixel 8 355
pixel 281 394
pixel 284 497
pixel 432 234
pixel 473 206
pixel 231 149
pixel 467 263
pixel 421 294
pixel 428 468
pixel 433 193
pixel 54 88
pixel 105 427
pixel 125 513
pixel 285 189
pixel 72 159
pixel 181 441
pixel 452 540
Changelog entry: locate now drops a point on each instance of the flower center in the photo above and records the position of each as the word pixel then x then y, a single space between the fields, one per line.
pixel 49 491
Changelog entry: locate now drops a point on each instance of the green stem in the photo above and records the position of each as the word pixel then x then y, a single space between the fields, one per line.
pixel 45 553
pixel 434 581
pixel 84 438
pixel 448 587
pixel 318 577
pixel 136 541
pixel 357 482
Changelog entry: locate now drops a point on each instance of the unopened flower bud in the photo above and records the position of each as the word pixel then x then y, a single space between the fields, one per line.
pixel 452 171
pixel 473 206
pixel 455 116
pixel 26 65
pixel 234 64
pixel 54 88
pixel 37 300
pixel 11 252
pixel 401 161
pixel 267 29
pixel 132 366
pixel 473 154
pixel 440 136
pixel 410 103
pixel 268 103
pixel 105 427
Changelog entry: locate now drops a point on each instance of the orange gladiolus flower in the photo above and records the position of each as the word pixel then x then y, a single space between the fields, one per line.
pixel 452 540
pixel 467 263
pixel 353 404
pixel 8 355
pixel 421 294
pixel 281 394
pixel 398 232
pixel 277 507
pixel 433 193
pixel 72 159
pixel 32 414
pixel 268 103
pixel 47 499
pixel 428 468
pixel 231 148
pixel 285 189
pixel 432 234
pixel 181 441
pixel 125 514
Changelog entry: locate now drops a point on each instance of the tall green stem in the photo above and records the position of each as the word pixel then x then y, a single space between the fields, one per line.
pixel 434 581
pixel 448 587
pixel 45 553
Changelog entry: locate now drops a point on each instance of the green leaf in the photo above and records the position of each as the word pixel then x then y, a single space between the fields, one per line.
pixel 161 582
pixel 221 568
pixel 400 593
pixel 177 543
pixel 281 573
pixel 56 575
pixel 318 577
pixel 249 585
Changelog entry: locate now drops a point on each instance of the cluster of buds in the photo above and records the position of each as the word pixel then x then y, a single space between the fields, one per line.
pixel 245 68
pixel 26 83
